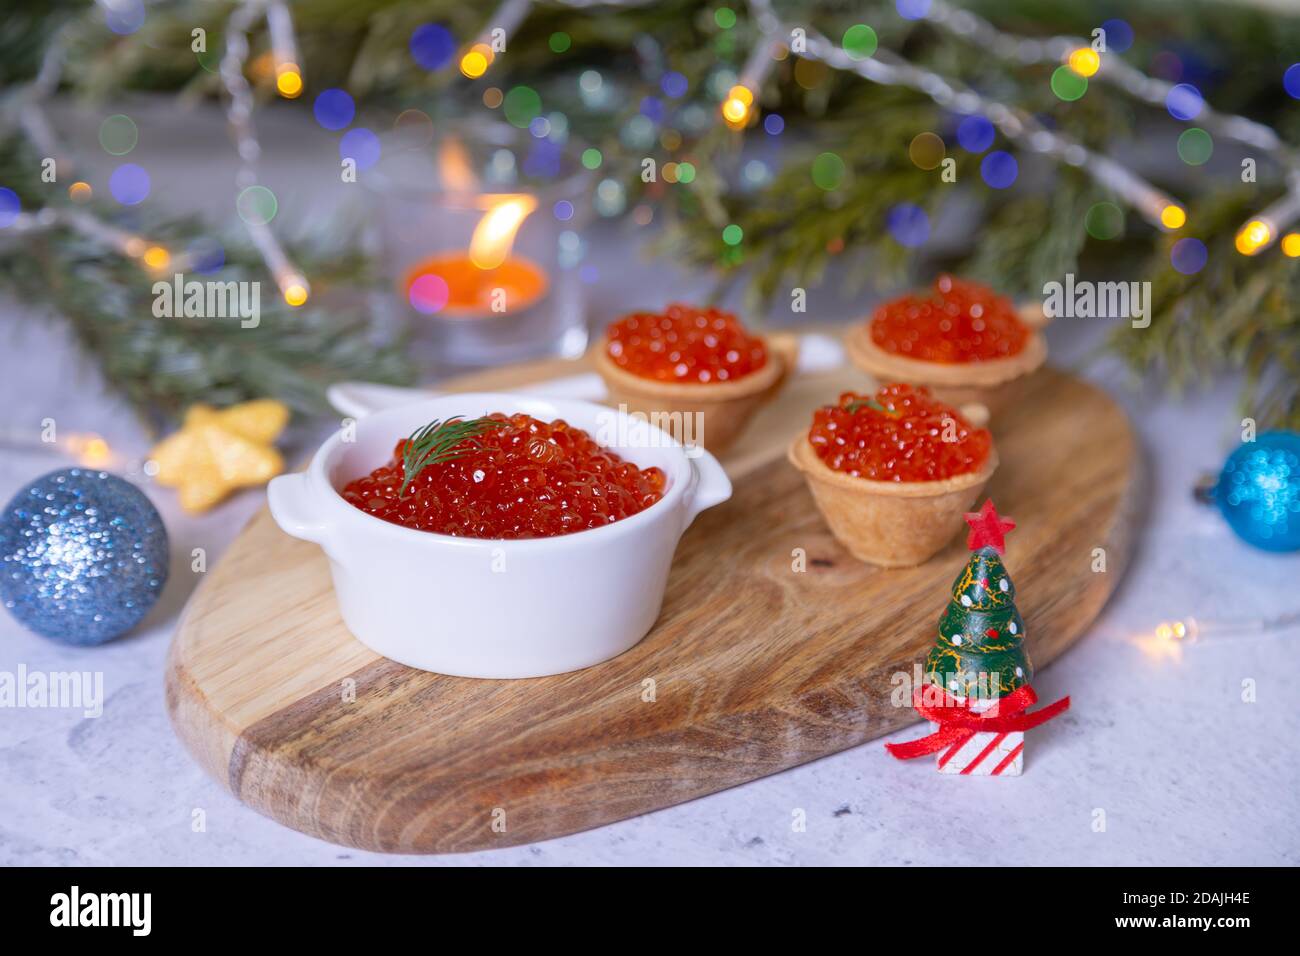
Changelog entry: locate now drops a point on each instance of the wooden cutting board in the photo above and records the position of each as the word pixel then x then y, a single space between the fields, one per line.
pixel 753 667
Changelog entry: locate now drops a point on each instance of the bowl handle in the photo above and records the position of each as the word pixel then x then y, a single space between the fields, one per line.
pixel 290 498
pixel 709 485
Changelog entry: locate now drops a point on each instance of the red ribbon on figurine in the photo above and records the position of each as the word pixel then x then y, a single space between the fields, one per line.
pixel 958 723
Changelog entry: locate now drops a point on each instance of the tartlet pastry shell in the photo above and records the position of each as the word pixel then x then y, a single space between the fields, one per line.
pixel 725 407
pixel 892 524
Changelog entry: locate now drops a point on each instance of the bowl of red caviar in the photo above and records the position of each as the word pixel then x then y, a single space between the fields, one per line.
pixel 960 339
pixel 893 471
pixel 697 371
pixel 499 536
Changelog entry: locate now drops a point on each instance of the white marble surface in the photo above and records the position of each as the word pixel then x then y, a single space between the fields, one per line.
pixel 1159 737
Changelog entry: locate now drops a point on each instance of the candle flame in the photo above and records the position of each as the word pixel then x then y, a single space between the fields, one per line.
pixel 454 167
pixel 494 236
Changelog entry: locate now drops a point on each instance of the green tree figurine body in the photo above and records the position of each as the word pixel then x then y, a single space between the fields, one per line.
pixel 980 652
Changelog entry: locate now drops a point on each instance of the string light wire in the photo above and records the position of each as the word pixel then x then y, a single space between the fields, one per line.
pixel 888 69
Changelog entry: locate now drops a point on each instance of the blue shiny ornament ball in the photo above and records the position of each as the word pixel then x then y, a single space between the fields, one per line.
pixel 1259 491
pixel 83 556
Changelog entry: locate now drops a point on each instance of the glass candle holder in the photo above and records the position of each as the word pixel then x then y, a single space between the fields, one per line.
pixel 477 234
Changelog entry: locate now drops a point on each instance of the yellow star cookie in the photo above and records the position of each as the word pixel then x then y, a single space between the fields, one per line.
pixel 218 452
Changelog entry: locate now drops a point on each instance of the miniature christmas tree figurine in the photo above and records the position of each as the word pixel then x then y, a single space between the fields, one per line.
pixel 977 675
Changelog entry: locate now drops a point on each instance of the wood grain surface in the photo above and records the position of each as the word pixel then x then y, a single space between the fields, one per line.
pixel 755 667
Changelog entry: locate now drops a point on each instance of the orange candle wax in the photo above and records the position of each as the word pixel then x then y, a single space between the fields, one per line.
pixel 451 284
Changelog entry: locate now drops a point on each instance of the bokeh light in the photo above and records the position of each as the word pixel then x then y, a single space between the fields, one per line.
pixel 674 85
pixel 493 97
pixel 735 108
pixel 129 184
pixel 428 293
pixel 1291 244
pixel 1104 220
pixel 156 257
pixel 521 104
pixel 432 46
pixel 686 172
pixel 1068 85
pixel 1195 146
pixel 10 207
pixel 543 160
pixel 563 210
pixel 1184 102
pixel 118 135
pixel 560 42
pixel 413 128
pixel 725 17
pixel 999 169
pixel 975 134
pixel 652 108
pixel 476 60
pixel 256 205
pixel 1119 35
pixel 1291 81
pixel 828 171
pixel 1189 256
pixel 773 124
pixel 592 158
pixel 733 235
pixel 123 17
pixel 1173 216
pixel 361 145
pixel 611 198
pixel 638 133
pixel 288 81
pixel 296 291
pixel 908 224
pixel 334 109
pixel 859 41
pixel 926 150
pixel 912 9
pixel 1085 61
pixel 80 192
pixel 810 74
pixel 1254 236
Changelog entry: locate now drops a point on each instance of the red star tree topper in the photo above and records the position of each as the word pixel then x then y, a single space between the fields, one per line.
pixel 987 528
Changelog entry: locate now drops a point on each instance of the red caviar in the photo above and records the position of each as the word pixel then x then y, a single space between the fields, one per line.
pixel 528 479
pixel 959 321
pixel 685 344
pixel 899 437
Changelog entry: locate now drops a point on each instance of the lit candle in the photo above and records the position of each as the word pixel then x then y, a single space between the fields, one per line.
pixel 484 279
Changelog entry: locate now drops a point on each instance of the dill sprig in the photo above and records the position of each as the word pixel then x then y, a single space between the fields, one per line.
pixel 871 403
pixel 441 441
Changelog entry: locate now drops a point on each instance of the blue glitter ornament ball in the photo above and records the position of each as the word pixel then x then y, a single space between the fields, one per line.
pixel 1259 491
pixel 83 556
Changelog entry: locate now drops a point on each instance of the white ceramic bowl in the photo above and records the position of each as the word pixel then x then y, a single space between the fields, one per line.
pixel 493 608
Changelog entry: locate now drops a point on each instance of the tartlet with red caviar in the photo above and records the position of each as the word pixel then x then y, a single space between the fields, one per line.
pixel 699 370
pixel 961 340
pixel 894 471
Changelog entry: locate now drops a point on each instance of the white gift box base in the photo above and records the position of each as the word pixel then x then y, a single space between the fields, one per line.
pixel 985 754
